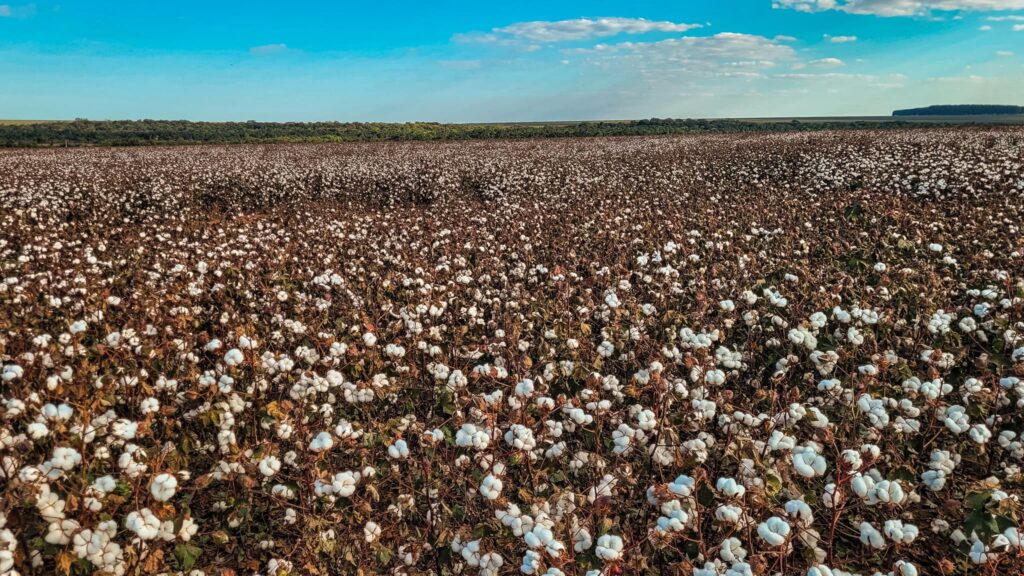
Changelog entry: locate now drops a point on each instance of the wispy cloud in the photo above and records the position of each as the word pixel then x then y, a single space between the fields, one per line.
pixel 827 63
pixel 268 49
pixel 899 7
pixel 724 54
pixel 1018 27
pixel 841 39
pixel 1004 53
pixel 550 32
pixel 1009 18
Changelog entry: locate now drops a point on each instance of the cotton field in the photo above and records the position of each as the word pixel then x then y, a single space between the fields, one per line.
pixel 702 356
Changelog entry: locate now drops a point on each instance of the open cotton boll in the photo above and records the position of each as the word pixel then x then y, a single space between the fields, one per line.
pixel 682 486
pixel 490 487
pixel 807 462
pixel 143 523
pixel 269 466
pixel 870 536
pixel 399 450
pixel 321 442
pixel 609 547
pixel 774 531
pixel 371 531
pixel 730 488
pixel 234 357
pixel 163 487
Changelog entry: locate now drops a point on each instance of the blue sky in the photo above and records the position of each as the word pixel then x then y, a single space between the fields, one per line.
pixel 461 61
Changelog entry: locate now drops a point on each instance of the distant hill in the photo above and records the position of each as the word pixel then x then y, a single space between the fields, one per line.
pixel 961 110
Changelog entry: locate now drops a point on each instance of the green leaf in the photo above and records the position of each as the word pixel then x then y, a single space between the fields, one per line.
pixel 977 500
pixel 187 554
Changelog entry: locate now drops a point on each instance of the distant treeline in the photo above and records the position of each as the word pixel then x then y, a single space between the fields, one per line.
pixel 153 132
pixel 961 110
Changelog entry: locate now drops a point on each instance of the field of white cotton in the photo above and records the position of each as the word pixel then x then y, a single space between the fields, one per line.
pixel 724 355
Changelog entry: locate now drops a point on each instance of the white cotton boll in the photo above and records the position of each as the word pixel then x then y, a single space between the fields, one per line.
pixel 852 459
pixel 12 372
pixel 979 553
pixel 830 496
pixel 807 462
pixel 371 531
pixel 520 437
pixel 728 514
pixel 903 568
pixel 269 466
pixel 609 547
pixel 469 435
pixel 899 532
pixel 934 480
pixel 163 487
pixel 531 562
pixel 344 483
pixel 732 550
pixel 956 420
pixel 399 450
pixel 611 299
pixel 773 531
pixel 370 339
pixel 730 488
pixel 490 487
pixel 234 357
pixel 682 486
pixel 143 523
pixel 870 536
pixel 714 377
pixel 321 442
pixel 980 434
pixel 524 388
pixel 149 406
pixel 798 509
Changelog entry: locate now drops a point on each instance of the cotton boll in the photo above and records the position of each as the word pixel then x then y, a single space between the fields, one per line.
pixel 609 547
pixel 234 357
pixel 730 488
pixel 321 442
pixel 870 536
pixel 143 523
pixel 163 487
pixel 682 486
pixel 269 466
pixel 371 531
pixel 773 531
pixel 490 487
pixel 399 450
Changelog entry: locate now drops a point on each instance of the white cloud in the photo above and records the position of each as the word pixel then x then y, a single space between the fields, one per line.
pixel 5 10
pixel 841 39
pixel 985 28
pixel 1010 18
pixel 267 49
pixel 1004 53
pixel 1018 27
pixel 898 7
pixel 544 32
pixel 827 63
